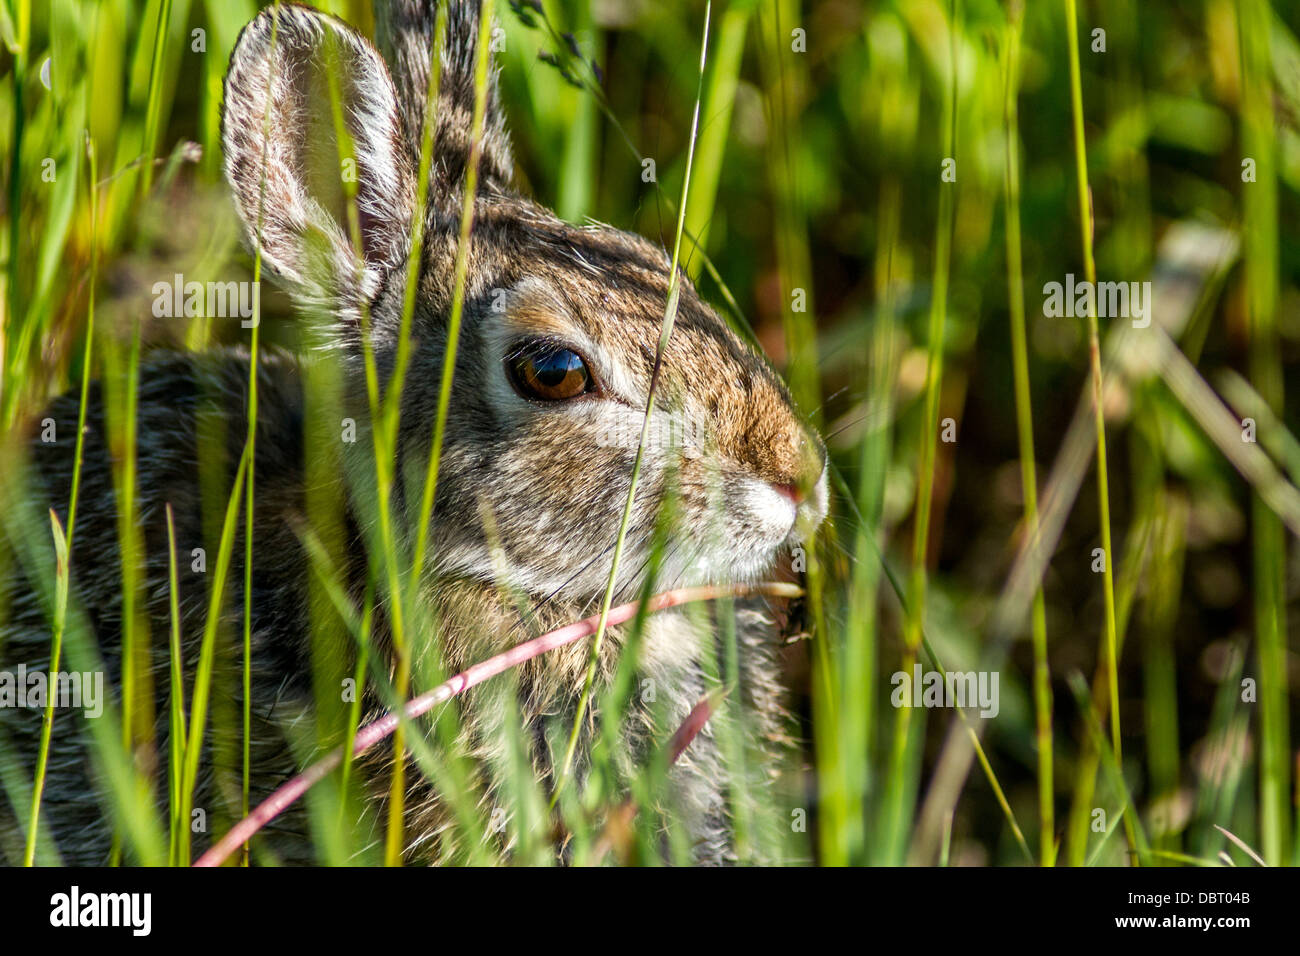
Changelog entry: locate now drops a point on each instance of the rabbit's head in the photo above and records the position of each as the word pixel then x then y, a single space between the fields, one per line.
pixel 560 323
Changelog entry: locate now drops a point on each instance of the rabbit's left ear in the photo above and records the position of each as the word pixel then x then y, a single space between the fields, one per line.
pixel 291 86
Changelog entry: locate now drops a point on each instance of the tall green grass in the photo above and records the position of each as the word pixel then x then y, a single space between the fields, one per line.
pixel 1260 225
pixel 1025 433
pixel 1086 227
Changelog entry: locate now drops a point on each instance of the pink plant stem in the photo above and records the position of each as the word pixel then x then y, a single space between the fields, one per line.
pixel 692 725
pixel 288 793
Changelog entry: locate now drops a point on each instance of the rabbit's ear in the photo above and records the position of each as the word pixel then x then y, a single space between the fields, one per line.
pixel 290 87
pixel 404 31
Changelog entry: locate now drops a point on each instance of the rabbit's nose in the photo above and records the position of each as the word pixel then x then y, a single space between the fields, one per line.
pixel 809 501
pixel 789 491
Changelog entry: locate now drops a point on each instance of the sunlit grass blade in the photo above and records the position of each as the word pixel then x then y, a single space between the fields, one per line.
pixel 670 317
pixel 176 735
pixel 63 544
pixel 250 441
pixel 1269 545
pixel 929 437
pixel 154 106
pixel 1086 225
pixel 1025 430
pixel 202 688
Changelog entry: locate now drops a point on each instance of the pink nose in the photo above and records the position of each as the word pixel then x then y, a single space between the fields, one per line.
pixel 789 491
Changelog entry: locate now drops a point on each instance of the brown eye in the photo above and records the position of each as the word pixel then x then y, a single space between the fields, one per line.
pixel 548 373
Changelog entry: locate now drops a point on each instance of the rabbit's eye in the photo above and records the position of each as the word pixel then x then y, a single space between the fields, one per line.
pixel 548 373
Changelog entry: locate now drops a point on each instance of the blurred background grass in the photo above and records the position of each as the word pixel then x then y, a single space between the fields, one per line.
pixel 887 294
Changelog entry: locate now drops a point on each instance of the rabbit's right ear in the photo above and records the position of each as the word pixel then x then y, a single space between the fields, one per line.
pixel 290 86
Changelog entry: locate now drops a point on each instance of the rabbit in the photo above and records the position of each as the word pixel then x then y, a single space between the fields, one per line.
pixel 556 353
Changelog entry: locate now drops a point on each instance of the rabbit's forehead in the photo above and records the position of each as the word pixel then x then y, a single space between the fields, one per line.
pixel 610 287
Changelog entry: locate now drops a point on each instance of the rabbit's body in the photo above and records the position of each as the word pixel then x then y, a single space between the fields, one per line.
pixel 177 393
pixel 530 488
